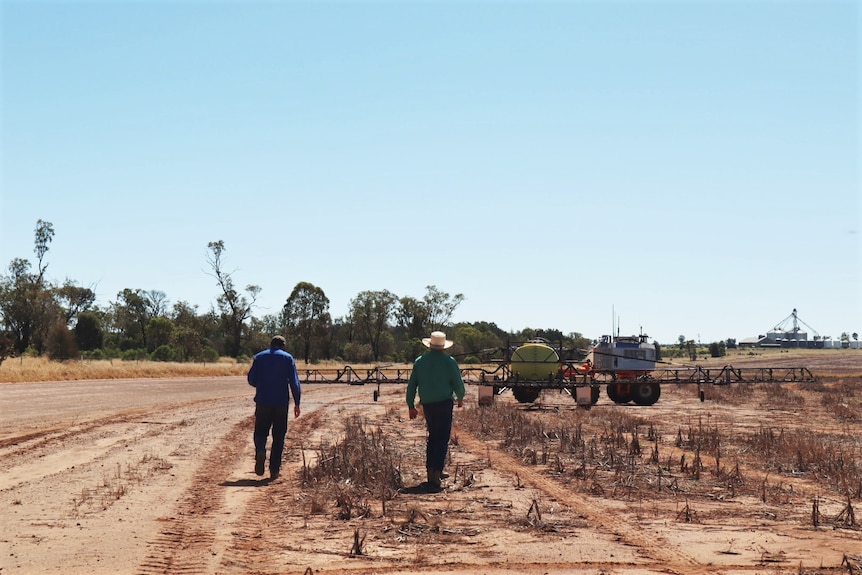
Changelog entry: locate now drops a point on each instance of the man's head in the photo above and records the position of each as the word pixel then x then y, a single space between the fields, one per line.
pixel 437 341
pixel 277 342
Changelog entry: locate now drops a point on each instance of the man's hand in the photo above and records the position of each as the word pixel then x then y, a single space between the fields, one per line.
pixel 460 403
pixel 413 413
pixel 296 411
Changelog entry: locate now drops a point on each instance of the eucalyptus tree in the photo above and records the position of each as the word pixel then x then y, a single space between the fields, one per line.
pixel 190 334
pixel 156 302
pixel 579 342
pixel 335 338
pixel 129 318
pixel 88 331
pixel 20 298
pixel 187 342
pixel 411 315
pixel 235 308
pixel 74 300
pixel 185 315
pixel 440 306
pixel 477 340
pixel 44 235
pixel 30 305
pixel 27 301
pixel 306 316
pixel 370 312
pixel 159 332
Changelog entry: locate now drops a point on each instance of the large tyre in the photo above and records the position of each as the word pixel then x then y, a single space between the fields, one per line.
pixel 619 393
pixel 526 394
pixel 646 393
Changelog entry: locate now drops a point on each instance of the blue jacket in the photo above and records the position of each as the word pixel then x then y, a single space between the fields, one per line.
pixel 273 374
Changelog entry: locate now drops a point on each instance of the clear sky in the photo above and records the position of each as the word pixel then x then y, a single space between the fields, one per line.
pixel 690 167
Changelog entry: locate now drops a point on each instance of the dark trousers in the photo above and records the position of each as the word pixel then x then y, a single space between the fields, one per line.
pixel 272 417
pixel 438 420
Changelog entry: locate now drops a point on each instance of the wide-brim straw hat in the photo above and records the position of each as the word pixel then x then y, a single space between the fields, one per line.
pixel 437 341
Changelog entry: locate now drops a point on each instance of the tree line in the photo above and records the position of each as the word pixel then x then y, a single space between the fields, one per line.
pixel 41 317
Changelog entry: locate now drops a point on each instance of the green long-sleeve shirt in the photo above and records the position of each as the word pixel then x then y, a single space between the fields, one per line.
pixel 436 376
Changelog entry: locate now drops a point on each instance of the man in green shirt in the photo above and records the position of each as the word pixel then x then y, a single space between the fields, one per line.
pixel 437 378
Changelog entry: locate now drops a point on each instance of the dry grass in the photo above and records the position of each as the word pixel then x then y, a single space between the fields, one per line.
pixel 832 459
pixel 22 369
pixel 362 466
pixel 116 485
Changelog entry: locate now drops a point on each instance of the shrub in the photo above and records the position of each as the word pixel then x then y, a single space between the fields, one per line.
pixel 166 353
pixel 93 354
pixel 208 355
pixel 7 346
pixel 717 349
pixel 61 343
pixel 112 353
pixel 358 352
pixel 134 355
pixel 88 331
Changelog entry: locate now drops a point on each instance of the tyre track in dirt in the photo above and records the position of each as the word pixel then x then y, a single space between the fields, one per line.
pixel 22 452
pixel 86 499
pixel 203 536
pixel 53 435
pixel 26 444
pixel 264 530
pixel 186 544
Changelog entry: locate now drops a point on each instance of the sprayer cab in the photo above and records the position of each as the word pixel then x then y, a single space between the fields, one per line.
pixel 623 357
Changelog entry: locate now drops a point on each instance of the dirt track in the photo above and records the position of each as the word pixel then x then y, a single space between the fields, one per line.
pixel 155 476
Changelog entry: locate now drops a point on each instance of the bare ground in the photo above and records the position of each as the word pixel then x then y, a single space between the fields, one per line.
pixel 155 476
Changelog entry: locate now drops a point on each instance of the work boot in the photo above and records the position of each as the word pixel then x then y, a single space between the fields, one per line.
pixel 259 462
pixel 434 480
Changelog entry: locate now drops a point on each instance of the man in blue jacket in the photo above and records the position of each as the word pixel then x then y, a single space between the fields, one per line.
pixel 273 374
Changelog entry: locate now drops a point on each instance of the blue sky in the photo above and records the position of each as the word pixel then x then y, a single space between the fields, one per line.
pixel 691 167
